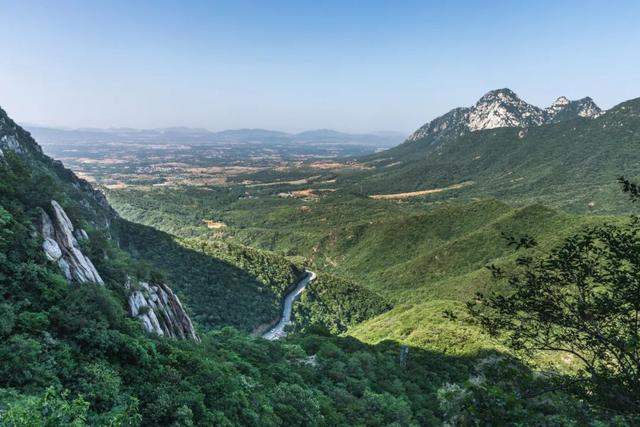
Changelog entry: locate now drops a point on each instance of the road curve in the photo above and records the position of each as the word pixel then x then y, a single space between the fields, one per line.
pixel 278 331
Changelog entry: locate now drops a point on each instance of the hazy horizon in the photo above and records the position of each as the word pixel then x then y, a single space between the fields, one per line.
pixel 115 129
pixel 294 66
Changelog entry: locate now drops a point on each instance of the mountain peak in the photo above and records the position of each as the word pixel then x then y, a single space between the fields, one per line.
pixel 500 108
pixel 564 109
pixel 561 102
pixel 504 94
pixel 503 108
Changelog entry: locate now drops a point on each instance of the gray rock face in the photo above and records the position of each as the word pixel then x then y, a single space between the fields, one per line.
pixel 10 142
pixel 14 138
pixel 160 311
pixel 564 109
pixel 499 109
pixel 61 246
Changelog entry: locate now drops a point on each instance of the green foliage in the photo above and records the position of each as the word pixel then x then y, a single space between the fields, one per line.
pixel 499 388
pixel 78 338
pixel 582 300
pixel 51 409
pixel 222 283
pixel 572 164
pixel 424 325
pixel 335 304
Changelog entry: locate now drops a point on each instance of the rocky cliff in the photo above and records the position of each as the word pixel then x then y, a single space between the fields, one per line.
pixel 502 108
pixel 160 310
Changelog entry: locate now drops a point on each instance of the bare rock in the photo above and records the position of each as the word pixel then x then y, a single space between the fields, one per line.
pixel 160 311
pixel 61 246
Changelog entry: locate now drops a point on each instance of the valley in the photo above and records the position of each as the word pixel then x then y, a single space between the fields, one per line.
pixel 319 214
pixel 343 251
pixel 425 245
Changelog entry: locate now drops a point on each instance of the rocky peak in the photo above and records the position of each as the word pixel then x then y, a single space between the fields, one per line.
pixel 160 310
pixel 14 138
pixel 564 109
pixel 561 102
pixel 451 124
pixel 588 108
pixel 502 108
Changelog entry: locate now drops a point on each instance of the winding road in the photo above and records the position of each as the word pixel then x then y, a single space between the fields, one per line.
pixel 278 331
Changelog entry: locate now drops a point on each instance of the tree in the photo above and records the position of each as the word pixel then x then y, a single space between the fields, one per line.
pixel 582 299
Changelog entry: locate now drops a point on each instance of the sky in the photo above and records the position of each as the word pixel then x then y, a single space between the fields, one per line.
pixel 296 65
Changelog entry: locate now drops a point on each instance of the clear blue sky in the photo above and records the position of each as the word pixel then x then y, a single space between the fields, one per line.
pixel 294 65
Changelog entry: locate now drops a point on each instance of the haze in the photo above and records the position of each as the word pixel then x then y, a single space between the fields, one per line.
pixel 305 65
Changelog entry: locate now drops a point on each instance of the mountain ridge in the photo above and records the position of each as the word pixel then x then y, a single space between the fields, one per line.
pixel 51 134
pixel 501 108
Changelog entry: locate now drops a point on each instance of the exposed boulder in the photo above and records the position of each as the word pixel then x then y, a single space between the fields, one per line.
pixel 61 246
pixel 160 311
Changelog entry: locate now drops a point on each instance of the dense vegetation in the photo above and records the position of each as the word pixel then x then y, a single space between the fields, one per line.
pixel 334 304
pixel 400 274
pixel 70 355
pixel 223 283
pixel 582 300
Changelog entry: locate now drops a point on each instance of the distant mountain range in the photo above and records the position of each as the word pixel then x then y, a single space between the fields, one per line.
pixel 48 135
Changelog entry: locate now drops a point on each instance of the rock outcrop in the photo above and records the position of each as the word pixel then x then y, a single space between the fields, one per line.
pixel 499 109
pixel 60 245
pixel 565 109
pixel 160 311
pixel 157 307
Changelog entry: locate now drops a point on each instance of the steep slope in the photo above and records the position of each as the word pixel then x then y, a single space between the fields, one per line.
pixel 64 243
pixel 70 354
pixel 571 164
pixel 501 108
pixel 229 286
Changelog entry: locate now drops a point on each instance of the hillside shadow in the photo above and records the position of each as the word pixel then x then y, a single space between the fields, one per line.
pixel 217 292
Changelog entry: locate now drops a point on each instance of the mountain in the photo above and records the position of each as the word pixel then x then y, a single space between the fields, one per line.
pixel 51 135
pixel 383 139
pixel 564 109
pixel 91 333
pixel 567 156
pixel 64 240
pixel 501 108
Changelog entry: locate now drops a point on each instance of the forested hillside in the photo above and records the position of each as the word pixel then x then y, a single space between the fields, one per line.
pixel 394 277
pixel 572 164
pixel 71 354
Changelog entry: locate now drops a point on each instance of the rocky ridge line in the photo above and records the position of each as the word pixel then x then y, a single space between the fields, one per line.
pixel 502 108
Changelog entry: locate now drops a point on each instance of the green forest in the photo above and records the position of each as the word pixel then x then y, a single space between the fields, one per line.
pixel 436 310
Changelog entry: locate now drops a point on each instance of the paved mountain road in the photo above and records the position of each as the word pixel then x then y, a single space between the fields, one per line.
pixel 278 331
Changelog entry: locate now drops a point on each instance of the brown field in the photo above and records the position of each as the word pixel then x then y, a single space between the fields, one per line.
pixel 214 224
pixel 337 165
pixel 295 182
pixel 398 196
pixel 117 186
